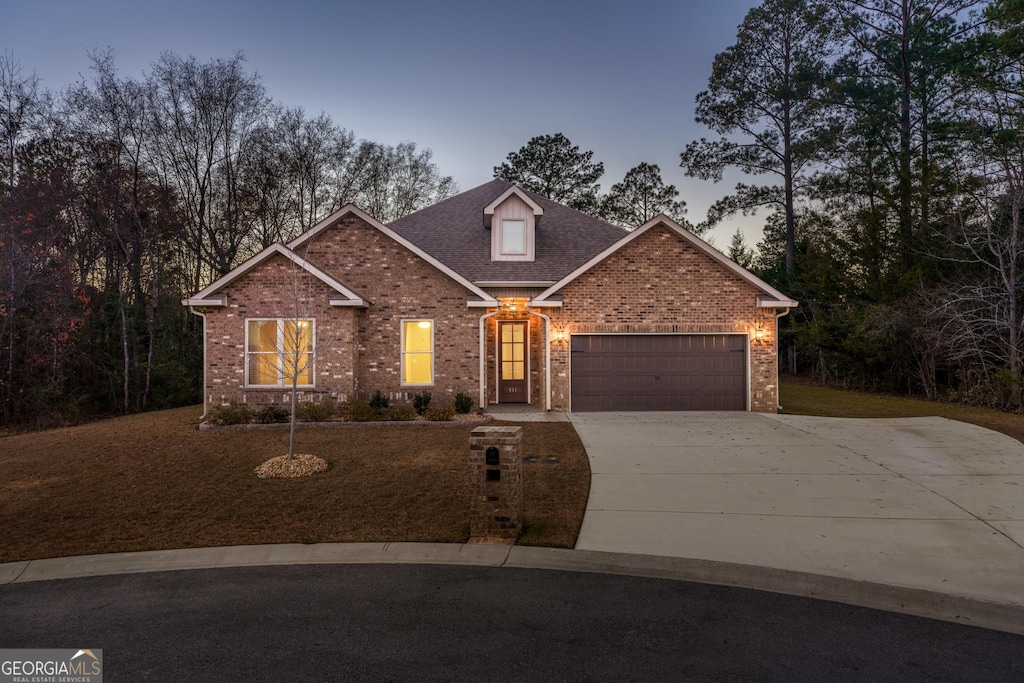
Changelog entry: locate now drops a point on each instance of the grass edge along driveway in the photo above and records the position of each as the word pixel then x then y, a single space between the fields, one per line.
pixel 805 399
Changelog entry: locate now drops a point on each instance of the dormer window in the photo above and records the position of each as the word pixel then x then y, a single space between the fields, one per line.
pixel 513 219
pixel 513 237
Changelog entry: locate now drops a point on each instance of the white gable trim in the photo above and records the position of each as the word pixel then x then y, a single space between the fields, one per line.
pixel 514 190
pixel 207 296
pixel 353 209
pixel 776 298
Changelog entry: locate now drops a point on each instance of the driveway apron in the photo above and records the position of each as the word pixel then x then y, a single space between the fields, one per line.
pixel 924 503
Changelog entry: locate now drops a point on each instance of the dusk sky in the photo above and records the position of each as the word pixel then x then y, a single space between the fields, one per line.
pixel 473 81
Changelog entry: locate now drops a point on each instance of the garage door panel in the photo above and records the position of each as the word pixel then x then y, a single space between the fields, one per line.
pixel 658 372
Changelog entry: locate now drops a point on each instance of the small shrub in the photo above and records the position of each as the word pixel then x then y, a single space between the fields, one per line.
pixel 322 411
pixel 420 402
pixel 358 411
pixel 379 401
pixel 233 414
pixel 441 413
pixel 403 413
pixel 272 414
pixel 463 403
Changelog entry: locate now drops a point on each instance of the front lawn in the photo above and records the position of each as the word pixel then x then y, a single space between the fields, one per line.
pixel 803 399
pixel 154 481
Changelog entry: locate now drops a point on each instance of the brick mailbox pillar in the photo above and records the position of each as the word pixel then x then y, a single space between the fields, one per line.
pixel 496 455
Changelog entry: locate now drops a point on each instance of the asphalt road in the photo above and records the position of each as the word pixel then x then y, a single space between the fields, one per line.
pixel 402 622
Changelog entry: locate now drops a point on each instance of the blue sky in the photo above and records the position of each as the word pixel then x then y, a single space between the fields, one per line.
pixel 471 80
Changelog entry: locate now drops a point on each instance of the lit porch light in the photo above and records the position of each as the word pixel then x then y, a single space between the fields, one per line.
pixel 758 334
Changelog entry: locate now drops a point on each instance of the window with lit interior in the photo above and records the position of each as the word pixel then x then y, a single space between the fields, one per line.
pixel 278 352
pixel 417 352
pixel 513 237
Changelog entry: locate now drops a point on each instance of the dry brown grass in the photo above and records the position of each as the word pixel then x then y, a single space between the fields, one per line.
pixel 153 481
pixel 805 399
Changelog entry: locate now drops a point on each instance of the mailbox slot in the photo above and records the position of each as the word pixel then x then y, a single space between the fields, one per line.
pixel 492 456
pixel 493 475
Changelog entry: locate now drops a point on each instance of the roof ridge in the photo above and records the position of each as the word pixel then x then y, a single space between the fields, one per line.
pixel 453 197
pixel 454 231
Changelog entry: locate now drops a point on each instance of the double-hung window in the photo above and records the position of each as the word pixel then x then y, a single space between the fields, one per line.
pixel 279 351
pixel 417 352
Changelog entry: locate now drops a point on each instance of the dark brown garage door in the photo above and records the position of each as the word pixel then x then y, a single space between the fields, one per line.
pixel 659 372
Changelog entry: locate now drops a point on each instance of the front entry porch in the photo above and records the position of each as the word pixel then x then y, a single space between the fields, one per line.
pixel 513 364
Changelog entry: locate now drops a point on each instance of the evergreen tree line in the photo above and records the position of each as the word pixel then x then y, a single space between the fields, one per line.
pixel 121 195
pixel 884 143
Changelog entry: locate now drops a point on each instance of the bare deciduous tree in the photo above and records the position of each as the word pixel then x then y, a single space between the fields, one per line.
pixel 203 117
pixel 984 308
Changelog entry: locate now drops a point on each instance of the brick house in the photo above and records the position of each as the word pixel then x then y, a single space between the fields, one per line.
pixel 500 294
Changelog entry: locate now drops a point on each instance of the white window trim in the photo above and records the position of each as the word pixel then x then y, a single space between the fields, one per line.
pixel 501 237
pixel 402 351
pixel 282 381
pixel 507 212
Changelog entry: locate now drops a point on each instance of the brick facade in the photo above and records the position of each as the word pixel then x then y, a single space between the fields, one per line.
pixel 400 285
pixel 660 283
pixel 359 349
pixel 277 288
pixel 656 283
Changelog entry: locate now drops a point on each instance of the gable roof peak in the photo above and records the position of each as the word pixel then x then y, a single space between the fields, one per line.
pixel 538 211
pixel 396 236
pixel 210 295
pixel 774 297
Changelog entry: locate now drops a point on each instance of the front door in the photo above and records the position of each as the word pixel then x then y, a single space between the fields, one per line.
pixel 512 362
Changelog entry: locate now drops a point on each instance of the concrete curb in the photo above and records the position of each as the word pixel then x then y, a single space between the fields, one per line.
pixel 954 608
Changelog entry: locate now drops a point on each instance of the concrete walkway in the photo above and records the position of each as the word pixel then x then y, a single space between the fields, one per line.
pixel 524 412
pixel 921 503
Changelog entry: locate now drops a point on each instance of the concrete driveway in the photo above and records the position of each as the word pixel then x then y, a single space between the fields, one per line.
pixel 924 503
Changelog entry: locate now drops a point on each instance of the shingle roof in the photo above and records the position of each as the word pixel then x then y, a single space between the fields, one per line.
pixel 453 232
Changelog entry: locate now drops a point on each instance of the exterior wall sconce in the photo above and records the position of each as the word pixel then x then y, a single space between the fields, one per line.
pixel 758 334
pixel 559 335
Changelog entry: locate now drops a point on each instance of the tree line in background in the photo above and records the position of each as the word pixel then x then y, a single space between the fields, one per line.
pixel 887 137
pixel 552 166
pixel 891 137
pixel 120 196
pixel 884 138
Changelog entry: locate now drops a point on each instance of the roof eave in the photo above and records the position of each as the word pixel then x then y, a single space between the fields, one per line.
pixel 514 283
pixel 763 302
pixel 209 302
